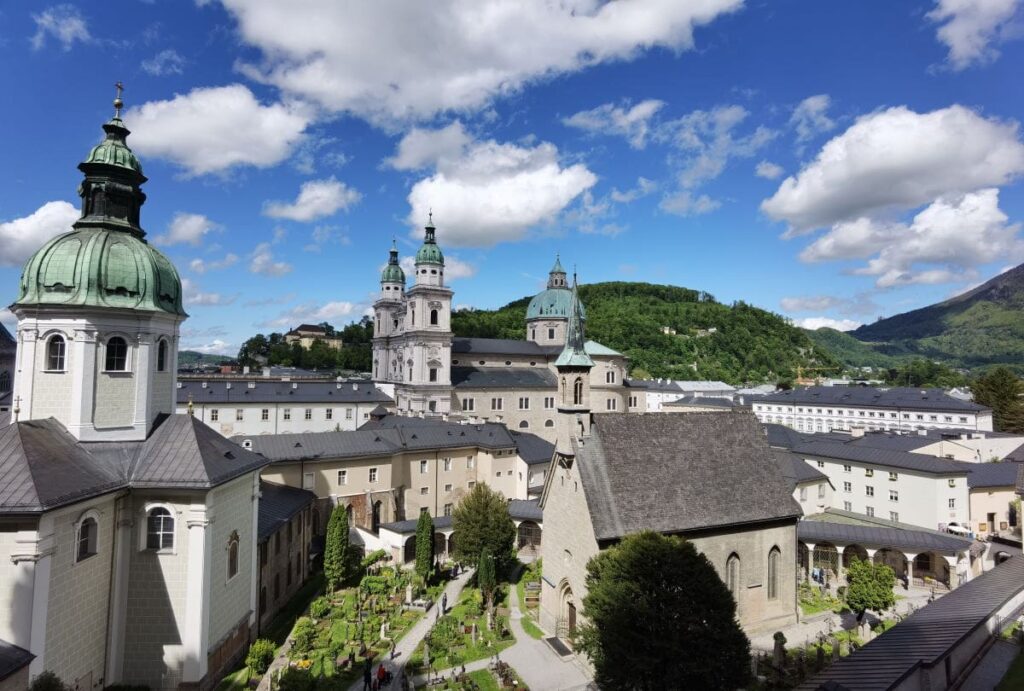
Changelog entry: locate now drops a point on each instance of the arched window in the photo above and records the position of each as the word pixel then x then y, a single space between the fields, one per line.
pixel 549 423
pixel 375 519
pixel 577 391
pixel 159 529
pixel 433 317
pixel 732 575
pixel 55 350
pixel 5 381
pixel 233 554
pixel 161 356
pixel 117 355
pixel 773 573
pixel 87 534
pixel 524 425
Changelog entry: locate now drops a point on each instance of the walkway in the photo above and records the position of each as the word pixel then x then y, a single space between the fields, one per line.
pixel 535 663
pixel 992 668
pixel 405 647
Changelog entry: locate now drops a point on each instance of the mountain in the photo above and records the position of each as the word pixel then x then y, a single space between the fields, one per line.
pixel 734 343
pixel 984 326
pixel 852 352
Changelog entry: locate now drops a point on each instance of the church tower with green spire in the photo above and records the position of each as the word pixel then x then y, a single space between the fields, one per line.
pixel 547 315
pixel 573 366
pixel 99 309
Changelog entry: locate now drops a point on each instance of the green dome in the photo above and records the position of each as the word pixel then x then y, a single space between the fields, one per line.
pixel 101 267
pixel 113 151
pixel 552 303
pixel 430 253
pixel 392 272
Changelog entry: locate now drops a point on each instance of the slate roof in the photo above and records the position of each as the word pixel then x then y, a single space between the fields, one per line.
pixel 533 449
pixel 526 510
pixel 278 505
pixel 697 401
pixel 997 474
pixel 12 659
pixel 896 397
pixel 1020 480
pixel 871 535
pixel 679 473
pixel 783 437
pixel 795 469
pixel 503 378
pixel 283 392
pixel 680 385
pixel 409 526
pixel 511 346
pixel 924 637
pixel 903 460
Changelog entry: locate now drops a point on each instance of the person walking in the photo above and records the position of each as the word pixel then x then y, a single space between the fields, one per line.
pixel 368 675
pixel 444 603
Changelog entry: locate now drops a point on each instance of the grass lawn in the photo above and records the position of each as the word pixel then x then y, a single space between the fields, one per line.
pixel 531 629
pixel 281 625
pixel 1014 678
pixel 450 646
pixel 235 681
pixel 484 680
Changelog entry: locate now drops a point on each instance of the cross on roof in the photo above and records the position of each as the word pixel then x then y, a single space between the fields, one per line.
pixel 118 103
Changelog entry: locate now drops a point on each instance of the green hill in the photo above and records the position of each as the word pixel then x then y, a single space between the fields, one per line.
pixel 734 343
pixel 193 358
pixel 852 352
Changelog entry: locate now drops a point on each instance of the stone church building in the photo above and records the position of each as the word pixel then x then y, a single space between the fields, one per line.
pixel 127 533
pixel 706 476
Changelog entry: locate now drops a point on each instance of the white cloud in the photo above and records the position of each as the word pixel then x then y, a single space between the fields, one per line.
pixel 167 61
pixel 970 28
pixel 21 237
pixel 64 23
pixel 768 170
pixel 856 239
pixel 317 199
pixel 214 347
pixel 643 188
pixel 633 123
pixel 810 117
pixel 421 148
pixel 685 203
pixel 262 262
pixel 187 229
pixel 454 268
pixel 814 323
pixel 8 319
pixel 897 158
pixel 321 236
pixel 311 313
pixel 201 266
pixel 486 192
pixel 210 130
pixel 859 304
pixel 390 60
pixel 193 296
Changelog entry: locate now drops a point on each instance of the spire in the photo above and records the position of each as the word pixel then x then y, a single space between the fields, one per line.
pixel 556 277
pixel 118 103
pixel 393 271
pixel 574 354
pixel 430 253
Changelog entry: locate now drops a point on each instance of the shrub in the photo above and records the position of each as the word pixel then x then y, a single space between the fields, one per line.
pixel 261 654
pixel 319 608
pixel 294 679
pixel 47 681
pixel 303 635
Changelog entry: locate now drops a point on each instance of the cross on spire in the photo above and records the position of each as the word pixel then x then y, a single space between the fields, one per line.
pixel 118 103
pixel 430 216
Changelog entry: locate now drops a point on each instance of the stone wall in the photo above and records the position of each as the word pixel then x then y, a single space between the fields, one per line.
pixel 284 561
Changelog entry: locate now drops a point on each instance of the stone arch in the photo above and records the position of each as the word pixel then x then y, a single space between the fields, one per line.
pixel 826 559
pixel 528 536
pixel 567 614
pixel 409 551
pixel 440 543
pixel 894 559
pixel 852 552
pixel 451 544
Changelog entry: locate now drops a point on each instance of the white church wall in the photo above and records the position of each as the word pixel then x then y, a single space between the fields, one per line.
pixel 50 393
pixel 17 544
pixel 115 391
pixel 231 506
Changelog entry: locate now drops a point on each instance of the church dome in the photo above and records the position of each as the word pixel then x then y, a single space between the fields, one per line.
pixel 112 150
pixel 392 272
pixel 551 303
pixel 430 253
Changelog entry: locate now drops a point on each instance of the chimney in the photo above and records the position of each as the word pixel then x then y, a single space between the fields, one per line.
pixel 856 432
pixel 266 371
pixel 245 370
pixel 355 386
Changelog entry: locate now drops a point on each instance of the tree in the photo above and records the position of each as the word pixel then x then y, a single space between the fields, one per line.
pixel 658 616
pixel 481 522
pixel 261 654
pixel 1000 389
pixel 486 578
pixel 47 681
pixel 424 545
pixel 869 586
pixel 337 552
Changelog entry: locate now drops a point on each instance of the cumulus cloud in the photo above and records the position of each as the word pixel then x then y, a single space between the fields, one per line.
pixel 421 148
pixel 211 130
pixel 486 192
pixel 814 323
pixel 317 199
pixel 970 28
pixel 686 203
pixel 454 268
pixel 189 229
pixel 201 266
pixel 165 62
pixel 63 23
pixel 21 237
pixel 900 159
pixel 768 170
pixel 193 296
pixel 321 236
pixel 856 239
pixel 633 123
pixel 312 313
pixel 860 304
pixel 390 60
pixel 261 261
pixel 810 117
pixel 214 347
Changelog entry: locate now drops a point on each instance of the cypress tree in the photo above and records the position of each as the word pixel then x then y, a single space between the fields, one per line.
pixel 337 553
pixel 424 545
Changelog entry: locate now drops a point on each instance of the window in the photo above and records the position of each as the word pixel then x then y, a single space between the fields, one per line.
pixel 469 404
pixel 774 556
pixel 963 419
pixel 342 477
pixel 239 414
pixel 448 509
pixel 732 575
pixel 821 464
pixel 847 506
pixel 496 404
pixel 577 391
pixel 549 403
pixel 821 490
pixel 847 468
pixel 309 413
pixel 214 415
pixel 448 487
pixel 869 472
pixel 308 481
pixel 159 529
pixel 803 494
pixel 424 490
pixel 893 477
pixel 87 533
pixel 847 487
pixel 161 356
pixel 373 474
pixel 55 351
pixel 933 418
pixel 869 491
pixel 424 467
pixel 265 414
pixel 869 511
pixel 233 555
pixel 551 334
pixel 524 424
pixel 894 495
pixel 611 404
pixel 894 517
pixel 952 482
pixel 524 403
pixel 609 377
pixel 433 317
pixel 117 355
pixel 287 414
pixel 470 460
pixel 549 423
pixel 348 413
pixel 447 464
pixel 632 402
pixel 433 374
pixel 952 503
pixel 329 414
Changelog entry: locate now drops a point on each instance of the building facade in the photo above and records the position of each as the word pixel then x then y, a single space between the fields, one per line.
pixel 308 334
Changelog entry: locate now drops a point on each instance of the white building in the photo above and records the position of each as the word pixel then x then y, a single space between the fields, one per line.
pixel 652 394
pixel 826 408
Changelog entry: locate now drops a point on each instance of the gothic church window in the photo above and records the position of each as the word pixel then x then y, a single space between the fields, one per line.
pixel 117 355
pixel 161 356
pixel 88 531
pixel 577 391
pixel 732 575
pixel 55 351
pixel 773 573
pixel 233 555
pixel 433 317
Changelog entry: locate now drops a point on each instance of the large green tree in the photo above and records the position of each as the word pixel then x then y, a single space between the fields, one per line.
pixel 486 578
pixel 481 522
pixel 869 587
pixel 337 551
pixel 1000 389
pixel 659 617
pixel 424 545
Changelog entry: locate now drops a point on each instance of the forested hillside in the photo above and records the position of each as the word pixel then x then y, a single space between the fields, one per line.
pixel 734 343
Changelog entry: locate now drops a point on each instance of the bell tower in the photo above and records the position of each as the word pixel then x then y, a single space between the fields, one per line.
pixel 573 366
pixel 389 319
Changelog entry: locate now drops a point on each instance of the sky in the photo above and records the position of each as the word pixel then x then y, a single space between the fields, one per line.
pixel 834 162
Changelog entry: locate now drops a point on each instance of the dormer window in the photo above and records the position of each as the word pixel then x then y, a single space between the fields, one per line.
pixel 55 354
pixel 117 355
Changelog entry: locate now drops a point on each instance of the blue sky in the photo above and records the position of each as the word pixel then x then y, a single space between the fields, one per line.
pixel 833 162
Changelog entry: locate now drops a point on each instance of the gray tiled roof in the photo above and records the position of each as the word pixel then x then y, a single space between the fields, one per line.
pixel 997 474
pixel 1020 479
pixel 278 505
pixel 533 449
pixel 697 401
pixel 12 659
pixel 282 392
pixel 680 385
pixel 526 509
pixel 503 378
pixel 880 536
pixel 896 397
pixel 904 460
pixel 678 473
pixel 783 437
pixel 926 636
pixel 500 346
pixel 795 469
pixel 409 526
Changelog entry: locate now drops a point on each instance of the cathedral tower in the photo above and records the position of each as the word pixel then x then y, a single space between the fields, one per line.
pixel 389 319
pixel 573 366
pixel 547 315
